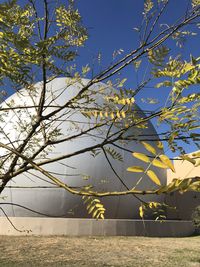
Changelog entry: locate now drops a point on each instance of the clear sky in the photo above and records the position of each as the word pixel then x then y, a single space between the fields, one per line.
pixel 110 25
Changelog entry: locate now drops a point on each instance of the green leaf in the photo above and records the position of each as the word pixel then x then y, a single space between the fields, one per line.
pixel 135 169
pixel 141 156
pixel 153 177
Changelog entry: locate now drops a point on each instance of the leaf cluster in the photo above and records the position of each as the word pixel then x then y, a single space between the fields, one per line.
pixel 94 207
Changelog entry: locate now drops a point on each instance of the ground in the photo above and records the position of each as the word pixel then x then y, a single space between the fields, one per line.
pixel 99 251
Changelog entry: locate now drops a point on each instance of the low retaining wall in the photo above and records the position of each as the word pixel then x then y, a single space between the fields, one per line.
pixel 91 227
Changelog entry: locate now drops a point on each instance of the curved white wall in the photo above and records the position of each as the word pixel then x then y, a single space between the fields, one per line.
pixel 73 171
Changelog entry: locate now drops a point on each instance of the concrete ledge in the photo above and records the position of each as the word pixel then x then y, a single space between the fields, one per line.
pixel 91 227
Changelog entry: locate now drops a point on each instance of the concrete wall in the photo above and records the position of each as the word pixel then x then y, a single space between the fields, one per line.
pixel 184 203
pixel 184 169
pixel 88 227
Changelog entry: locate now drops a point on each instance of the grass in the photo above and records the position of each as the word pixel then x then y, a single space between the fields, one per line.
pixel 99 251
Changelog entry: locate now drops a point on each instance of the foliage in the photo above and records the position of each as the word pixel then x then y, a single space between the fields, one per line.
pixel 154 210
pixel 35 47
pixel 163 162
pixel 94 207
pixel 196 218
pixel 22 51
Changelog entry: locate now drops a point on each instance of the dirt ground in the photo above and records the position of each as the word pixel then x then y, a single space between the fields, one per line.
pixel 99 251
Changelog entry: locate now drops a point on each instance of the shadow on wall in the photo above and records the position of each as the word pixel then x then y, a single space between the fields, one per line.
pixel 184 203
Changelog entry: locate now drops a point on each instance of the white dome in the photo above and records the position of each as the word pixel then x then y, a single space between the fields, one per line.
pixel 75 171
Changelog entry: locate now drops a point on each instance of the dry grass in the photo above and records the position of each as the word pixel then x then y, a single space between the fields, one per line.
pixel 99 251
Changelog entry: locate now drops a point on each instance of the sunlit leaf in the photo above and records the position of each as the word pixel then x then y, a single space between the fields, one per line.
pixel 141 156
pixel 121 84
pixel 137 64
pixel 160 145
pixel 167 162
pixel 102 216
pixel 141 212
pixel 148 5
pixel 135 169
pixel 153 177
pixel 159 164
pixel 123 114
pixel 187 158
pixel 149 148
pixel 196 154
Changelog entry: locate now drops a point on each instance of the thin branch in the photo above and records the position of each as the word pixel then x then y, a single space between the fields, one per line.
pixel 119 178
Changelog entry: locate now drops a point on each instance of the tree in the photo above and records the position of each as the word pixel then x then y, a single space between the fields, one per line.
pixel 41 48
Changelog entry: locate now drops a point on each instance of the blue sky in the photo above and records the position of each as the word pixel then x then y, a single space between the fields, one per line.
pixel 110 25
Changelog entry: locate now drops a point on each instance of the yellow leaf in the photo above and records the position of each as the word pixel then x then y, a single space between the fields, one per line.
pixel 149 148
pixel 159 164
pixel 132 100
pixel 102 216
pixel 99 206
pixel 141 212
pixel 167 162
pixel 106 114
pixel 162 189
pixel 123 114
pixel 160 145
pixel 123 102
pixel 153 177
pixel 118 115
pixel 112 115
pixel 116 98
pixel 197 164
pixel 153 205
pixel 196 154
pixel 91 209
pixel 185 157
pixel 188 67
pixel 94 214
pixel 141 156
pixel 135 169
